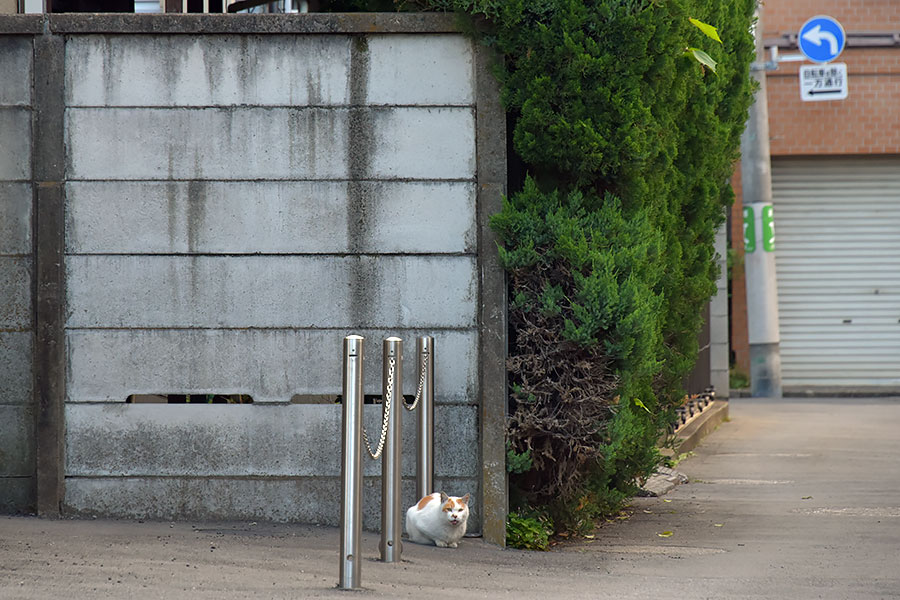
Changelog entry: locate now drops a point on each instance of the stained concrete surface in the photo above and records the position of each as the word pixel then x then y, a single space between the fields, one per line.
pixel 790 499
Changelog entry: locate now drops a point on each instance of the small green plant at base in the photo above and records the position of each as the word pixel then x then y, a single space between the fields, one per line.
pixel 528 532
pixel 673 461
pixel 737 379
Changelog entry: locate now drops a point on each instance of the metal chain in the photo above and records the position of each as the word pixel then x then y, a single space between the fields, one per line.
pixel 412 407
pixel 386 412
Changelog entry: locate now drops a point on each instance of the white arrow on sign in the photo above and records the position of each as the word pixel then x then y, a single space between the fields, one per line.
pixel 816 35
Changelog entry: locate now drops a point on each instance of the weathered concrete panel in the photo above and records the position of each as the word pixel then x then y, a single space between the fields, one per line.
pixel 15 367
pixel 246 440
pixel 16 441
pixel 414 217
pixel 269 217
pixel 15 65
pixel 202 440
pixel 15 293
pixel 15 143
pixel 303 500
pixel 15 218
pixel 209 70
pixel 206 143
pixel 456 441
pixel 207 217
pixel 270 291
pixel 424 143
pixel 270 365
pixel 420 70
pixel 265 143
pixel 16 494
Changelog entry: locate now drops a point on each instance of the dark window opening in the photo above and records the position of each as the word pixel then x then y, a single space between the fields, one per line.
pixel 189 399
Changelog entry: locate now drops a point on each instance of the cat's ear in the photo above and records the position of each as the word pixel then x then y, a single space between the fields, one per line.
pixel 465 499
pixel 444 498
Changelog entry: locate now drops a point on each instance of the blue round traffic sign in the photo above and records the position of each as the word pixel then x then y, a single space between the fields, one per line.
pixel 821 39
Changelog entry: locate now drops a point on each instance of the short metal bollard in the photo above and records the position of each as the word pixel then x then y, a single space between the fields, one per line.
pixel 351 465
pixel 392 383
pixel 425 417
pixel 354 437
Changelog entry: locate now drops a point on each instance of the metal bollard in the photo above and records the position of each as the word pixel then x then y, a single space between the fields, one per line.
pixel 391 523
pixel 425 418
pixel 351 465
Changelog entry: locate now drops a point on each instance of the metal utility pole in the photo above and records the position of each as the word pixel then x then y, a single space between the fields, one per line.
pixel 759 239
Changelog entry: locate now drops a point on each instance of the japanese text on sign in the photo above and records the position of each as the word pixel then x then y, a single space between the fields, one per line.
pixel 823 82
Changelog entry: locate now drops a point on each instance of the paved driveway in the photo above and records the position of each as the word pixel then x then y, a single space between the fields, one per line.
pixel 791 499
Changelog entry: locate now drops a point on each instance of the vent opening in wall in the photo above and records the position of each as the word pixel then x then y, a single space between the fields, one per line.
pixel 375 399
pixel 314 399
pixel 189 399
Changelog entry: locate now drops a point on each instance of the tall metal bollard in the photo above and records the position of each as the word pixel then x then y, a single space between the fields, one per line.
pixel 425 418
pixel 391 523
pixel 351 465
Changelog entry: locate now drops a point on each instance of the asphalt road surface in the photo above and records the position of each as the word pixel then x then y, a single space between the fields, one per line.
pixel 791 499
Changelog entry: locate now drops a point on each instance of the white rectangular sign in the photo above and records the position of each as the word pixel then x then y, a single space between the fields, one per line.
pixel 823 82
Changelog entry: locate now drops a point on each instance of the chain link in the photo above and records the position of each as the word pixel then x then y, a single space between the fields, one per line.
pixel 389 394
pixel 421 387
pixel 386 412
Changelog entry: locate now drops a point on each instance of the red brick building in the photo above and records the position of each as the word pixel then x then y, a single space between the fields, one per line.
pixel 836 193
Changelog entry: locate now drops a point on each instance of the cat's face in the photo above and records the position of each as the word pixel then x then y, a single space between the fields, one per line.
pixel 456 510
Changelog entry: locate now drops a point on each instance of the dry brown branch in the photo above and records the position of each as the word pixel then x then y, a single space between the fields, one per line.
pixel 564 394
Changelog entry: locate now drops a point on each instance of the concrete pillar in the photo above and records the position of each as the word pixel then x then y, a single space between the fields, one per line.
pixel 490 141
pixel 49 228
pixel 718 321
pixel 759 259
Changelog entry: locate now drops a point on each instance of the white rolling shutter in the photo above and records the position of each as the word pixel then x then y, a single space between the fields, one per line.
pixel 837 254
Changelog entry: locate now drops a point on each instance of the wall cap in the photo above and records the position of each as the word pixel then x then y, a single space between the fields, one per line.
pixel 309 23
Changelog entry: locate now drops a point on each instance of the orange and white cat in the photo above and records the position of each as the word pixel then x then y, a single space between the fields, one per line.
pixel 438 519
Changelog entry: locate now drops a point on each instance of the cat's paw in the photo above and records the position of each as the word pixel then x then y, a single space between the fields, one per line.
pixel 453 545
pixel 441 544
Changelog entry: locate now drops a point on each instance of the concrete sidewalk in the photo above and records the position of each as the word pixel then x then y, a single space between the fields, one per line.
pixel 791 499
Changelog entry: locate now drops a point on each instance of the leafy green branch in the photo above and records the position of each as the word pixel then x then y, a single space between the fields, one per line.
pixel 696 53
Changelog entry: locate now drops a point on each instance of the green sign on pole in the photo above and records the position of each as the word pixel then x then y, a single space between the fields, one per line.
pixel 749 230
pixel 768 226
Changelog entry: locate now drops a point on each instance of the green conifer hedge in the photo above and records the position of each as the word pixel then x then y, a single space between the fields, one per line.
pixel 629 145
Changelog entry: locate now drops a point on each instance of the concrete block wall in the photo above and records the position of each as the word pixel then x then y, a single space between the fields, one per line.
pixel 225 199
pixel 16 254
pixel 233 210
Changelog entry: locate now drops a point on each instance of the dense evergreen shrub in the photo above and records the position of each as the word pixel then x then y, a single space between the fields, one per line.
pixel 629 145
